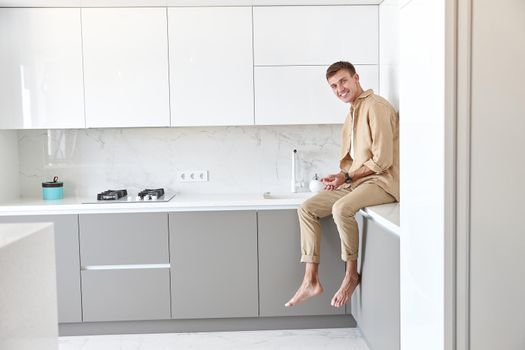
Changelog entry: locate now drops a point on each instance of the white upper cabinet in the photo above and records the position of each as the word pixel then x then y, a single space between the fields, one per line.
pixel 293 46
pixel 301 95
pixel 40 69
pixel 126 67
pixel 179 66
pixel 315 35
pixel 211 66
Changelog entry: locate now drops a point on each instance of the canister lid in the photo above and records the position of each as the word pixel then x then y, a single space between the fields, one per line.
pixel 53 183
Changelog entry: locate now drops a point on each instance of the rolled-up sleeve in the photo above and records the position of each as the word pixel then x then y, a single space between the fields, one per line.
pixel 379 118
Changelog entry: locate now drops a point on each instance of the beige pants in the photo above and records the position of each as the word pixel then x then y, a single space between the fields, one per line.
pixel 342 204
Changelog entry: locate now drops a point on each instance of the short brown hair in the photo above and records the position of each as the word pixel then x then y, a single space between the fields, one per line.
pixel 337 66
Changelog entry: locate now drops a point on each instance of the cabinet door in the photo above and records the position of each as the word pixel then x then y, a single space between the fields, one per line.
pixel 376 301
pixel 301 95
pixel 121 239
pixel 211 66
pixel 40 69
pixel 280 269
pixel 214 264
pixel 125 67
pixel 315 35
pixel 67 262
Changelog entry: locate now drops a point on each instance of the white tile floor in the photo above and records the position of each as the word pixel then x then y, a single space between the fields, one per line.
pixel 324 339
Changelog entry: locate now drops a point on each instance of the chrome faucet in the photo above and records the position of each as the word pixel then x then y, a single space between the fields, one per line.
pixel 295 184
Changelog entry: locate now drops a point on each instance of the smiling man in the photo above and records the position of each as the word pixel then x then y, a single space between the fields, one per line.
pixel 369 175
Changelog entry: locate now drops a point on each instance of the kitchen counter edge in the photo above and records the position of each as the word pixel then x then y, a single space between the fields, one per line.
pixel 385 214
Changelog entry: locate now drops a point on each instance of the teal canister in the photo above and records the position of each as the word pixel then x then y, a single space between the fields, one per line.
pixel 53 190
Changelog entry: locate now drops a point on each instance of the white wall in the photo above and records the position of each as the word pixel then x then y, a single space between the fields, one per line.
pixel 497 229
pixel 239 159
pixel 9 184
pixel 422 134
pixel 389 51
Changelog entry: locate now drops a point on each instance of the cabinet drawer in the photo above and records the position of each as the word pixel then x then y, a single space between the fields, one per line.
pixel 115 239
pixel 121 295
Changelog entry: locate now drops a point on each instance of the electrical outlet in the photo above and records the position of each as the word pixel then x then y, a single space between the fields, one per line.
pixel 192 175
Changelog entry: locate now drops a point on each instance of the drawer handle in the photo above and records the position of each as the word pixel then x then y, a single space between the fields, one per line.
pixel 126 267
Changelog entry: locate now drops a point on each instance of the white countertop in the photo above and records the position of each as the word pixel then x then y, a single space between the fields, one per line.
pixel 10 233
pixel 385 214
pixel 181 202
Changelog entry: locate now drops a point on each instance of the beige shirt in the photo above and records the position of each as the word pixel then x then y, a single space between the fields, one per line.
pixel 375 142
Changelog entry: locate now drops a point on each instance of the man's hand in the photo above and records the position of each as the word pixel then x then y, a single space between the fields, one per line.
pixel 331 182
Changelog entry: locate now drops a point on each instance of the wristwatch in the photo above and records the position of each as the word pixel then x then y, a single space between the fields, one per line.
pixel 347 178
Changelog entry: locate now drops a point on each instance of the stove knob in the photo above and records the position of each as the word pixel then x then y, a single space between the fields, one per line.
pixel 153 198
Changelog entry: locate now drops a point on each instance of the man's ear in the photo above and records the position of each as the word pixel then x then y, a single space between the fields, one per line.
pixel 356 77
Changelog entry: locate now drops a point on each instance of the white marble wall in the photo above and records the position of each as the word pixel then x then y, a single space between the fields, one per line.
pixel 239 159
pixel 9 185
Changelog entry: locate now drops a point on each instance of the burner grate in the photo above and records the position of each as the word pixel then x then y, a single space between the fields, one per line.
pixel 111 195
pixel 151 193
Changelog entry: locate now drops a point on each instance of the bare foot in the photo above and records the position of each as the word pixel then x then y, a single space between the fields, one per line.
pixel 305 291
pixel 345 291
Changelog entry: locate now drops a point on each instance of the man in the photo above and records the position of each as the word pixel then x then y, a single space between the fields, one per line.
pixel 369 175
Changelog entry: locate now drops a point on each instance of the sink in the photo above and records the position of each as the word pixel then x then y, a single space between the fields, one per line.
pixel 298 195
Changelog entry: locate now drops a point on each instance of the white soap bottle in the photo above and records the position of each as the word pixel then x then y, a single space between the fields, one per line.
pixel 315 184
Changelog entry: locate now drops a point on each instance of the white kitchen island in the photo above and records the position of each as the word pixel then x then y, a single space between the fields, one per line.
pixel 28 301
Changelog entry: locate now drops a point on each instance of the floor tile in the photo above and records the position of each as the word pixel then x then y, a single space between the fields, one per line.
pixel 305 339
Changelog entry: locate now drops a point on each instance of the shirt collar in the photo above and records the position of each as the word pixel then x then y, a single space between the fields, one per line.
pixel 363 95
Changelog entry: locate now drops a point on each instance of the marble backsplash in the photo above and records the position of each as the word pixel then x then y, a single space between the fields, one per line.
pixel 239 159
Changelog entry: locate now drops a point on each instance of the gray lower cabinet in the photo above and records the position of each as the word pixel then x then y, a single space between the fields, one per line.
pixel 280 269
pixel 213 264
pixel 128 238
pixel 125 266
pixel 67 262
pixel 376 301
pixel 126 295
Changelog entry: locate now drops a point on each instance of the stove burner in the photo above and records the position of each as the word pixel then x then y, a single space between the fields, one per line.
pixel 111 195
pixel 149 194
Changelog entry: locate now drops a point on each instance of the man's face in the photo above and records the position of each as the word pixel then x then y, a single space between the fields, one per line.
pixel 344 86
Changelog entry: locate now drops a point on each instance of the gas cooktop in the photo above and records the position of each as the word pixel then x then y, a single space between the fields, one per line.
pixel 121 196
